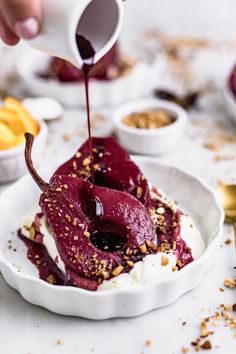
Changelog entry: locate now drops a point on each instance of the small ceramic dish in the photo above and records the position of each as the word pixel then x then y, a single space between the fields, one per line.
pixel 193 196
pixel 139 81
pixel 12 161
pixel 43 108
pixel 150 141
pixel 230 102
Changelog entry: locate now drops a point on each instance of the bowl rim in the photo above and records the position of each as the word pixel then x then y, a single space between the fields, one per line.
pixel 180 114
pixel 17 150
pixel 204 258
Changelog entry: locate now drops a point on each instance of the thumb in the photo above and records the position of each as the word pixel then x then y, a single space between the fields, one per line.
pixel 23 17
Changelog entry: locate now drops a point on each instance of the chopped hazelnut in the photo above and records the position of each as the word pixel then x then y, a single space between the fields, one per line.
pixel 117 270
pixel 164 261
pixel 87 234
pixel 143 249
pixel 50 279
pixel 230 283
pixel 78 155
pixel 87 161
pixel 148 343
pixel 228 241
pixel 206 345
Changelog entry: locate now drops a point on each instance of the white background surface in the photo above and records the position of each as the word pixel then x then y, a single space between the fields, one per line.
pixel 27 329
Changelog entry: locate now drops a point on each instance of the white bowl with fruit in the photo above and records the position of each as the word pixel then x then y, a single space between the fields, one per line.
pixel 15 120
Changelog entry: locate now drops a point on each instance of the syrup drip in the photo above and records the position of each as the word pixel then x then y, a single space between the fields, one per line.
pixel 87 53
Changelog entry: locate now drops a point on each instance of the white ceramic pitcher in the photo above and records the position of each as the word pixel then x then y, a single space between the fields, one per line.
pixel 99 21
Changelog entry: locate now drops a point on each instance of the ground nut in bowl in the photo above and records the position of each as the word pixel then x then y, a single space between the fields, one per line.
pixel 12 161
pixel 147 139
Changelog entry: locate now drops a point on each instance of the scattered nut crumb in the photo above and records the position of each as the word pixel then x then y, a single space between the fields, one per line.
pixel 148 343
pixel 164 261
pixel 66 137
pixel 59 342
pixel 230 283
pixel 206 345
pixel 228 241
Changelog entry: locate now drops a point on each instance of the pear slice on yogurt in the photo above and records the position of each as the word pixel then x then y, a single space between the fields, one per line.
pixel 43 108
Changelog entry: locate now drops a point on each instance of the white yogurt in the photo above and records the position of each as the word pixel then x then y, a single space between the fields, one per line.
pixel 150 269
pixel 147 271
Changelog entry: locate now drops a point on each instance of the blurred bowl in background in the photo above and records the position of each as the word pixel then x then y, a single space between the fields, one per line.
pixel 155 141
pixel 139 81
pixel 230 102
pixel 12 161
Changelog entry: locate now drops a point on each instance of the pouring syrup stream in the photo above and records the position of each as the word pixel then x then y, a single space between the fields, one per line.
pixel 87 53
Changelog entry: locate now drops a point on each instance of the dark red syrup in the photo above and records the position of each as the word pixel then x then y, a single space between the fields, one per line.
pixel 87 53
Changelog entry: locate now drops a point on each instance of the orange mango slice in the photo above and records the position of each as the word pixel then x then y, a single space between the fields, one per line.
pixel 7 138
pixel 12 120
pixel 30 125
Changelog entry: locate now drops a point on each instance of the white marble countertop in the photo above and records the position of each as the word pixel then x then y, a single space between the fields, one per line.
pixel 26 329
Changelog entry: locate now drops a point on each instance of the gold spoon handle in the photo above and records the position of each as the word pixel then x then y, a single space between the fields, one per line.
pixel 234 225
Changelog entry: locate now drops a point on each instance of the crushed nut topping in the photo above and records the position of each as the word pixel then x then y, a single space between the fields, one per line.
pixel 50 279
pixel 139 192
pixel 230 283
pixel 87 161
pixel 117 270
pixel 143 249
pixel 152 119
pixel 87 234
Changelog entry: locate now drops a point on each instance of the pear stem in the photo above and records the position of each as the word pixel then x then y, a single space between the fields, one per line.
pixel 28 153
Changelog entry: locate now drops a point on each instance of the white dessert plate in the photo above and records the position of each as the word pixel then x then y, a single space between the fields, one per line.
pixel 193 196
pixel 138 82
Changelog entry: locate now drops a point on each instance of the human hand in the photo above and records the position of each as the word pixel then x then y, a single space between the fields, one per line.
pixel 19 19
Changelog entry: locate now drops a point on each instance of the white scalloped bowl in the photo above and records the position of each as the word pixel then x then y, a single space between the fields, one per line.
pixel 12 161
pixel 192 195
pixel 141 79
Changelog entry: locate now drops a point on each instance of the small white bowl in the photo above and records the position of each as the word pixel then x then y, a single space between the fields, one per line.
pixel 230 102
pixel 150 141
pixel 193 196
pixel 108 93
pixel 12 161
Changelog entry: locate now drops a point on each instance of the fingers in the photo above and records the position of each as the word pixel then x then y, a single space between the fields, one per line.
pixel 6 34
pixel 21 17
